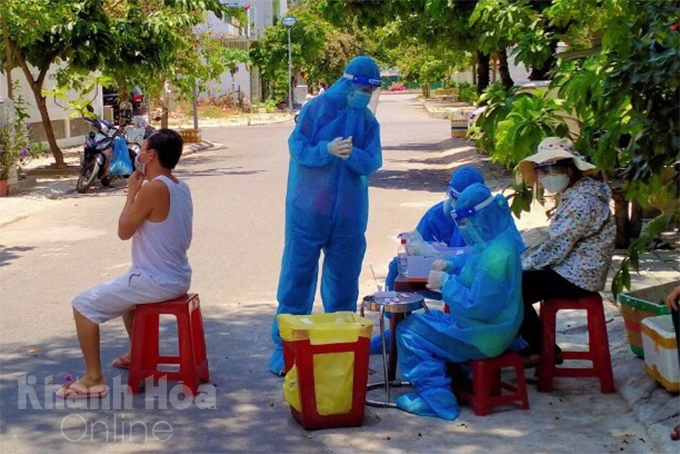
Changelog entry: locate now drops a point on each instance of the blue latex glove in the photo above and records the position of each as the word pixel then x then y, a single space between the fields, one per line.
pixel 340 148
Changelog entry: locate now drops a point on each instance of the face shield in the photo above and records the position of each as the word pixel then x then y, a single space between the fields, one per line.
pixel 366 93
pixel 451 198
pixel 464 219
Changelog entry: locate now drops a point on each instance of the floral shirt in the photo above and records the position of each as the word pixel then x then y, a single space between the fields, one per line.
pixel 582 233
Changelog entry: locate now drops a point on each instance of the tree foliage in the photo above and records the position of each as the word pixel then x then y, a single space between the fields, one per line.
pixel 318 49
pixel 128 40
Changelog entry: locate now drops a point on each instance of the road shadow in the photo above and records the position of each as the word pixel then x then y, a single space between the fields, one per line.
pixel 188 167
pixel 7 254
pixel 248 413
pixel 431 172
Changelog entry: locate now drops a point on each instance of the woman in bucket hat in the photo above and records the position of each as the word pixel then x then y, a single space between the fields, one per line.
pixel 574 260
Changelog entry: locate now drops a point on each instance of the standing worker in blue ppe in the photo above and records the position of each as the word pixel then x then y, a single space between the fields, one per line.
pixel 334 148
pixel 484 294
pixel 436 225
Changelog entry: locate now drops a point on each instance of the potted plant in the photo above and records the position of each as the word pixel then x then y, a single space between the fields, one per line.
pixel 14 141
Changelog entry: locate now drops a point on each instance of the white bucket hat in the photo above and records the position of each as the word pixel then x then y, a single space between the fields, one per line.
pixel 552 149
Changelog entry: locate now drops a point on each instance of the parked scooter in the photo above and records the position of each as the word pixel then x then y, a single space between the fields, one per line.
pixel 98 151
pixel 137 130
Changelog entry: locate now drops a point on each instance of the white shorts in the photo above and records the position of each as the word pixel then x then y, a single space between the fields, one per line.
pixel 113 298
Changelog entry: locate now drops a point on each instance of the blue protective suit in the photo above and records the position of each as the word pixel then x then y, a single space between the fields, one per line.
pixel 327 201
pixel 484 295
pixel 437 225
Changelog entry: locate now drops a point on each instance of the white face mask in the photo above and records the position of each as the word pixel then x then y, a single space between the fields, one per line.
pixel 555 183
pixel 449 204
pixel 139 165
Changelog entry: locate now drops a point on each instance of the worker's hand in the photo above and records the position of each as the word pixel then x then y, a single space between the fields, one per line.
pixel 340 148
pixel 440 265
pixel 672 298
pixel 349 142
pixel 436 280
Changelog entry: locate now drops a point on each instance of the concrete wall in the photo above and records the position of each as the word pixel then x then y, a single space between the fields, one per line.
pixel 69 132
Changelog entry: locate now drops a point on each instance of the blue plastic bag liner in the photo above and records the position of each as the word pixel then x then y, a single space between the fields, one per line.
pixel 120 162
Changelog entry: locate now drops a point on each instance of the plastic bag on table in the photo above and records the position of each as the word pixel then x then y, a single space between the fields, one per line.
pixel 416 245
pixel 120 161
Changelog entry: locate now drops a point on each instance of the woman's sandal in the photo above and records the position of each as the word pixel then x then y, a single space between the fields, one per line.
pixel 80 391
pixel 122 362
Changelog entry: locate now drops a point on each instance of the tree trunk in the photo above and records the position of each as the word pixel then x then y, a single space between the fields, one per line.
pixel 425 86
pixel 504 71
pixel 544 72
pixel 165 116
pixel 621 218
pixel 636 217
pixel 165 102
pixel 482 72
pixel 36 87
pixel 47 124
pixel 8 60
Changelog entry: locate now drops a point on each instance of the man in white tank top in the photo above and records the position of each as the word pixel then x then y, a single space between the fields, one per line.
pixel 158 217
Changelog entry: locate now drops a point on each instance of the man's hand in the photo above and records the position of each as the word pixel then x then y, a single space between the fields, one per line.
pixel 672 298
pixel 140 203
pixel 134 183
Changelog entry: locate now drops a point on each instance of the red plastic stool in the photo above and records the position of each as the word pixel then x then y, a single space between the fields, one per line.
pixel 144 354
pixel 598 344
pixel 487 385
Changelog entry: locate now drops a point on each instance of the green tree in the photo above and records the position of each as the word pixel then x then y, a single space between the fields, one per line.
pixel 125 39
pixel 626 96
pixel 209 60
pixel 318 49
pixel 41 34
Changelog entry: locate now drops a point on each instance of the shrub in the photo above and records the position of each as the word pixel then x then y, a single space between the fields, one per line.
pixel 467 92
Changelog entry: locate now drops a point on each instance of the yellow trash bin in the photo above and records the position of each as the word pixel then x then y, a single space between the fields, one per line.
pixel 326 357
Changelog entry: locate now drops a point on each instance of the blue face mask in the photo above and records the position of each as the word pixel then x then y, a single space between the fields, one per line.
pixel 359 100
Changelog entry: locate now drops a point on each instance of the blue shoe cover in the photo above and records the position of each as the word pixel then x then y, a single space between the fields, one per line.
pixel 414 403
pixel 376 343
pixel 276 363
pixel 517 344
pixel 439 402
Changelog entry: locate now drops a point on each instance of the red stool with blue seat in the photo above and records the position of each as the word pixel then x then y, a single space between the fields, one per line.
pixel 145 357
pixel 598 343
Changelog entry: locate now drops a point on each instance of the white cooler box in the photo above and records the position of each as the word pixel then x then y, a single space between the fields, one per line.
pixel 661 351
pixel 419 266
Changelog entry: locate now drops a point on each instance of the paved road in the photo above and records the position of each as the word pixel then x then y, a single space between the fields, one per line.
pixel 239 200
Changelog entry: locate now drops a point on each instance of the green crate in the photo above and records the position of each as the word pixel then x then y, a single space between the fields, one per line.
pixel 640 304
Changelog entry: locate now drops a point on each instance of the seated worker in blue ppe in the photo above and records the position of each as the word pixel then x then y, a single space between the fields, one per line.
pixel 334 147
pixel 436 226
pixel 484 294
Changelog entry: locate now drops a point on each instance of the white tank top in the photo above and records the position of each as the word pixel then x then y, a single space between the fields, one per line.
pixel 161 247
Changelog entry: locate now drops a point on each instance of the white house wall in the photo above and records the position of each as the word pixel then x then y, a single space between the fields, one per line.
pixel 261 14
pixel 69 132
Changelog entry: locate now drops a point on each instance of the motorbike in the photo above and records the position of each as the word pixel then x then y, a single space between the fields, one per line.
pixel 137 129
pixel 98 151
